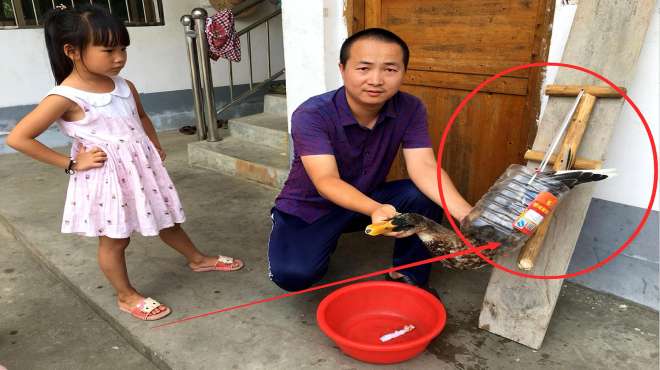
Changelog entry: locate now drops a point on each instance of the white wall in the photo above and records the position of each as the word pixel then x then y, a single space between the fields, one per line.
pixel 629 150
pixel 313 33
pixel 157 56
pixel 335 34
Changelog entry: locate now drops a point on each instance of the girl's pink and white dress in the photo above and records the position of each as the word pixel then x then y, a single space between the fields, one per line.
pixel 132 191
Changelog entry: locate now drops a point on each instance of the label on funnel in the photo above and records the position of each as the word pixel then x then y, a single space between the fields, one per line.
pixel 538 209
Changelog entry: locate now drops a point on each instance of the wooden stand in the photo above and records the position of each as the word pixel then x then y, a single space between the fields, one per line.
pixel 567 156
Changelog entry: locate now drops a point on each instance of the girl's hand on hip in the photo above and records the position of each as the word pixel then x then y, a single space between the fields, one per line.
pixel 94 158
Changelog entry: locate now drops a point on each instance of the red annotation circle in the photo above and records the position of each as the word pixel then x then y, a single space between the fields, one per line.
pixel 544 64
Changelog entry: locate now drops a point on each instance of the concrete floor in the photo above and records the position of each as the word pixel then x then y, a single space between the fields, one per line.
pixel 42 323
pixel 589 330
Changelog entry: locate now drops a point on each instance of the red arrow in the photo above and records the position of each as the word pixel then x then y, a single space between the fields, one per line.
pixel 490 245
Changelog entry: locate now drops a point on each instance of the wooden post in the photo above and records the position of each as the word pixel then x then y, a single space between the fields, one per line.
pixel 372 13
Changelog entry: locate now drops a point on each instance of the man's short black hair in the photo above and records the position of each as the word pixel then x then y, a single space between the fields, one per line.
pixel 373 33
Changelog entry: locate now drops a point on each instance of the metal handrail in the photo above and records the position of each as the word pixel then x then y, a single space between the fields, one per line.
pixel 245 5
pixel 244 95
pixel 199 16
pixel 202 82
pixel 187 23
pixel 259 22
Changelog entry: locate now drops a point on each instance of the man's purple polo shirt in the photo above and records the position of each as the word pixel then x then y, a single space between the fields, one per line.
pixel 324 124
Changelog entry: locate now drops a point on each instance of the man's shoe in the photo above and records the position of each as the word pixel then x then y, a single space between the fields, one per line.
pixel 408 280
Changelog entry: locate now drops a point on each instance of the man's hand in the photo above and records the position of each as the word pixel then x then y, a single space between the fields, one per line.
pixel 422 169
pixel 384 213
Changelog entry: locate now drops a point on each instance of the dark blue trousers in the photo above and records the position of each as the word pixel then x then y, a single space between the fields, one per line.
pixel 299 252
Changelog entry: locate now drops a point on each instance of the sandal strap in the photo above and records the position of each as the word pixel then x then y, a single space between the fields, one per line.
pixel 225 259
pixel 148 304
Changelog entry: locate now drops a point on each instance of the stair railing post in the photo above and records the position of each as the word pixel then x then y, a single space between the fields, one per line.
pixel 189 32
pixel 199 16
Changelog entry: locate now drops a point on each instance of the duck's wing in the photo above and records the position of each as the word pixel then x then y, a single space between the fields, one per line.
pixel 571 178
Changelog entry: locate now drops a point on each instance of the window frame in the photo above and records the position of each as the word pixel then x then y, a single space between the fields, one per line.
pixel 153 11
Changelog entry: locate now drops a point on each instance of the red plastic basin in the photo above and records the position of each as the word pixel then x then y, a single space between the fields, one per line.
pixel 356 316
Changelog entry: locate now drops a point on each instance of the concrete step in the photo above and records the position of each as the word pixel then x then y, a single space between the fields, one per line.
pixel 262 129
pixel 275 103
pixel 235 157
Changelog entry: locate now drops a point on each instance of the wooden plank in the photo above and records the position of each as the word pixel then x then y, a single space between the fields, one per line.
pixel 354 14
pixel 580 163
pixel 348 15
pixel 465 36
pixel 574 90
pixel 607 37
pixel 372 14
pixel 478 66
pixel 540 50
pixel 462 81
pixel 565 160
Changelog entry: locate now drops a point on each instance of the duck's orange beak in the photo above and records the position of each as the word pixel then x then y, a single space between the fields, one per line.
pixel 379 228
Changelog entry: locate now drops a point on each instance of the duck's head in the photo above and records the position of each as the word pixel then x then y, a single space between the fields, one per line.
pixel 406 223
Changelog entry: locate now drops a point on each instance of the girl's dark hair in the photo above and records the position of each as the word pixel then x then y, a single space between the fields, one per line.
pixel 379 34
pixel 79 27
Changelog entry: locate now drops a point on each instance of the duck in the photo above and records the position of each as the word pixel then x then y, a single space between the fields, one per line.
pixel 492 219
pixel 437 239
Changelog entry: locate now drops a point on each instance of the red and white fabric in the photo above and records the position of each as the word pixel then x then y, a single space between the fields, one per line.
pixel 222 38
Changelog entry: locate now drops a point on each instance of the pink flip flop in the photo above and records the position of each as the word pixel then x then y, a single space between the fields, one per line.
pixel 223 263
pixel 144 309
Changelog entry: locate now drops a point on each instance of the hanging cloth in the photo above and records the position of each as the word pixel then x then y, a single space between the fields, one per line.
pixel 222 38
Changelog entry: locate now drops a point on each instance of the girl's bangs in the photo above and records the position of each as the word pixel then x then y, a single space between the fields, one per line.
pixel 109 32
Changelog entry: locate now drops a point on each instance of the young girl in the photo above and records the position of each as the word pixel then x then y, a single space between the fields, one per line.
pixel 118 183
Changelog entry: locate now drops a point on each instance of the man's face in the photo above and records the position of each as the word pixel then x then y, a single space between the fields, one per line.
pixel 373 72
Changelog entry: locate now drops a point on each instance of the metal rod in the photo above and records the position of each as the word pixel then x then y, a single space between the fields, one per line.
pixel 189 33
pixel 13 10
pixel 199 15
pixel 245 5
pixel 250 58
pixel 257 23
pixel 128 11
pixel 144 11
pixel 109 7
pixel 159 3
pixel 563 127
pixel 250 92
pixel 231 82
pixel 268 45
pixel 36 16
